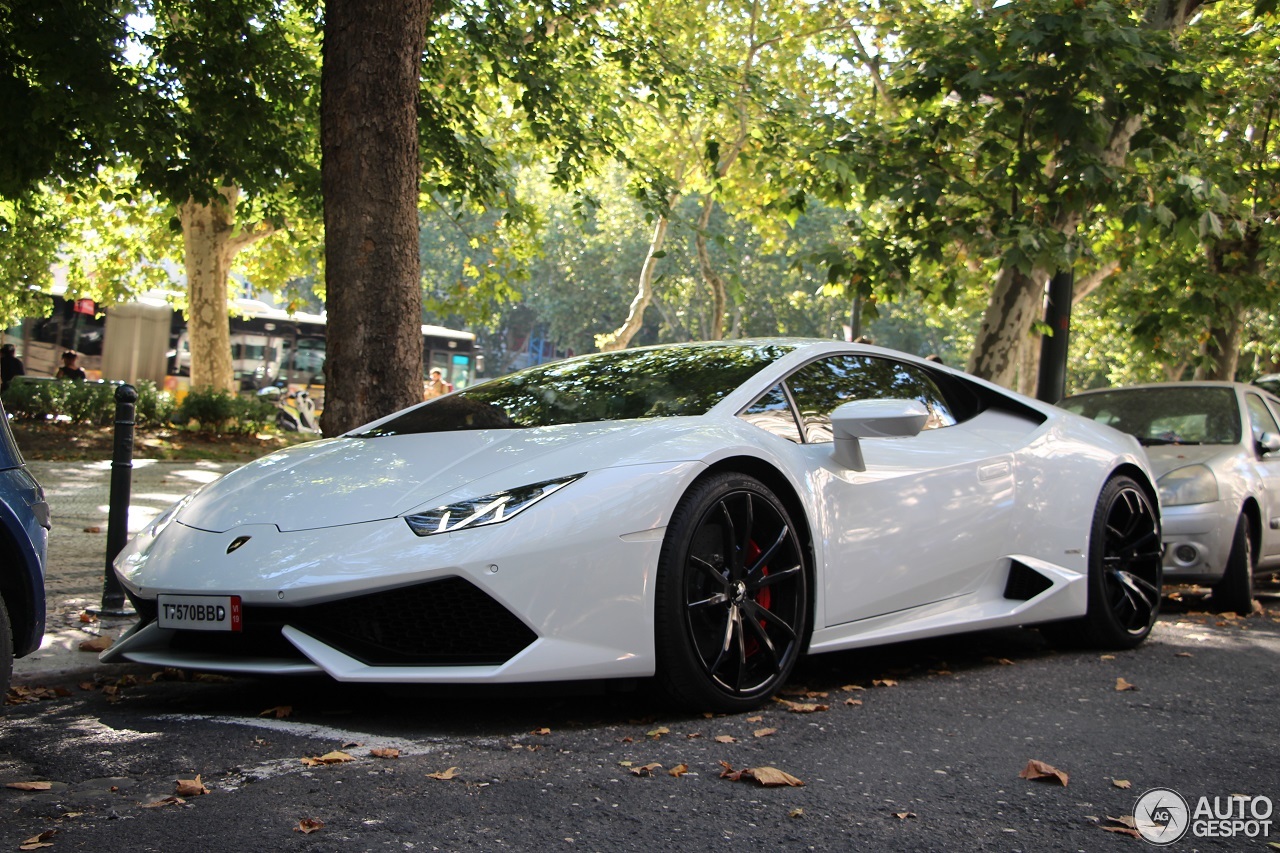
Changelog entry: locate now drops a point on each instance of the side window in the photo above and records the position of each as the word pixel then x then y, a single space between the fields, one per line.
pixel 823 385
pixel 772 413
pixel 1260 418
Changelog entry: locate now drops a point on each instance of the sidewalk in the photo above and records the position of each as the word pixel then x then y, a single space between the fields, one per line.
pixel 78 495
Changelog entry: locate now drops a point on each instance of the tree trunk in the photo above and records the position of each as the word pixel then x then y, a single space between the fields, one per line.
pixel 621 337
pixel 1223 348
pixel 207 252
pixel 1015 305
pixel 369 174
pixel 719 296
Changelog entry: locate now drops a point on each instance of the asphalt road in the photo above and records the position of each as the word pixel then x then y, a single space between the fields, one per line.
pixel 920 748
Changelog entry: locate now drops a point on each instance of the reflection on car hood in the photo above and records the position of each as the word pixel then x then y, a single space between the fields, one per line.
pixel 1166 457
pixel 352 480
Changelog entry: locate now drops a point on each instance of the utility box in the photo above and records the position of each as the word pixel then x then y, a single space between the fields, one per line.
pixel 136 341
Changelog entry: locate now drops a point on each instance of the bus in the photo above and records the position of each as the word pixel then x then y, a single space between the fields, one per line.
pixel 148 339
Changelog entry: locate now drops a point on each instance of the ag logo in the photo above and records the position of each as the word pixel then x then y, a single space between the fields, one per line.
pixel 1161 816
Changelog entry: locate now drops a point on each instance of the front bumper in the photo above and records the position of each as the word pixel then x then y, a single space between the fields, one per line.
pixel 1197 540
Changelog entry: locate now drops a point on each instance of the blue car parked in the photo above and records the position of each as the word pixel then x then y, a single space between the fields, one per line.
pixel 24 538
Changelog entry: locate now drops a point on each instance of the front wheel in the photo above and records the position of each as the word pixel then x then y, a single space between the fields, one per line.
pixel 1235 591
pixel 1125 572
pixel 732 610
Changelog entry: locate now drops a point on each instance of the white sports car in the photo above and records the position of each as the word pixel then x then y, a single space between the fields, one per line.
pixel 702 513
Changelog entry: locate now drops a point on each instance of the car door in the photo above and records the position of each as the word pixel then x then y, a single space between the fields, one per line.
pixel 926 519
pixel 1261 420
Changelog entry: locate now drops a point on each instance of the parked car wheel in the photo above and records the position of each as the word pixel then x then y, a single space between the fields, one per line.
pixel 732 596
pixel 1125 575
pixel 1235 591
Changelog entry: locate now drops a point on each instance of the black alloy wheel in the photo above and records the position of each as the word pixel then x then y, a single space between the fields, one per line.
pixel 1125 571
pixel 732 596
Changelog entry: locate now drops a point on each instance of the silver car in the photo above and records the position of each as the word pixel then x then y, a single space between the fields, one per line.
pixel 1215 447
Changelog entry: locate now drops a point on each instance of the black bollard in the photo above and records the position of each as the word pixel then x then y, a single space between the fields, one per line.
pixel 113 603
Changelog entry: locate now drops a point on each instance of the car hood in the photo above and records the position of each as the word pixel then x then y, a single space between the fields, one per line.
pixel 350 480
pixel 1167 457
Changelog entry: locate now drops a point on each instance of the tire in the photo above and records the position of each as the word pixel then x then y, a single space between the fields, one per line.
pixel 1235 590
pixel 6 651
pixel 1126 575
pixel 732 611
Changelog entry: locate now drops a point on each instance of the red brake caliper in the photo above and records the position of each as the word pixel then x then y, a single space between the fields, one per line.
pixel 762 598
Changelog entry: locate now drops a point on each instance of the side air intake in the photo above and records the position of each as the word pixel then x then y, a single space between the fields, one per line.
pixel 1024 582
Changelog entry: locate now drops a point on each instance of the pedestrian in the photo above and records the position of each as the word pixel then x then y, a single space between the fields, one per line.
pixel 436 387
pixel 934 357
pixel 10 366
pixel 69 369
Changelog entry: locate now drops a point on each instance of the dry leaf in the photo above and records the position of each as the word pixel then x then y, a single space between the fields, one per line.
pixel 849 687
pixel 1123 830
pixel 190 787
pixel 646 769
pixel 692 735
pixel 853 701
pixel 756 719
pixel 627 739
pixel 1039 770
pixel 386 752
pixel 802 707
pixel 679 770
pixel 769 777
pixel 94 529
pixel 1123 784
pixel 1121 684
pixel 1107 657
pixel 658 732
pixel 444 775
pixel 726 739
pixel 277 711
pixel 30 786
pixel 542 731
pixel 167 801
pixel 36 842
pixel 1124 820
pixel 764 732
pixel 308 825
pixel 334 757
pixel 97 644
pixel 883 682
pixel 903 815
pixel 87 618
pixel 796 813
pixel 1183 655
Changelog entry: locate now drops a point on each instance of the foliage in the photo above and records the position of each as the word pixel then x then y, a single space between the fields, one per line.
pixel 217 411
pixel 90 403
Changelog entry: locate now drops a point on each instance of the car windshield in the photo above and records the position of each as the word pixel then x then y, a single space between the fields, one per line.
pixel 662 382
pixel 1168 415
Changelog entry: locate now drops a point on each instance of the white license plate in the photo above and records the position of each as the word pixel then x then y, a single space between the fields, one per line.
pixel 200 612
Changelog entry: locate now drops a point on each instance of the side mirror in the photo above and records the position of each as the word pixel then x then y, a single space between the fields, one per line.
pixel 1269 442
pixel 861 419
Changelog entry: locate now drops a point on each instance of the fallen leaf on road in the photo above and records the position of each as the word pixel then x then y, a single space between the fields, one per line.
pixel 277 711
pixel 1183 655
pixel 801 707
pixel 796 813
pixel 190 787
pixel 167 801
pixel 1123 784
pixel 97 644
pixel 334 757
pixel 36 842
pixel 444 775
pixel 542 731
pixel 756 719
pixel 764 732
pixel 769 777
pixel 385 752
pixel 30 786
pixel 679 770
pixel 903 815
pixel 1121 684
pixel 93 529
pixel 658 732
pixel 86 617
pixel 849 687
pixel 884 682
pixel 726 739
pixel 853 702
pixel 1038 770
pixel 1123 826
pixel 309 825
pixel 646 769
pixel 1107 657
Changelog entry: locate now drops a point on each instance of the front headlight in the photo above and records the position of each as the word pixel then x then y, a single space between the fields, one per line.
pixel 1194 484
pixel 490 509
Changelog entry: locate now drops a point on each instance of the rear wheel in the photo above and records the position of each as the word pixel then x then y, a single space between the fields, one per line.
pixel 732 612
pixel 1235 590
pixel 1125 572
